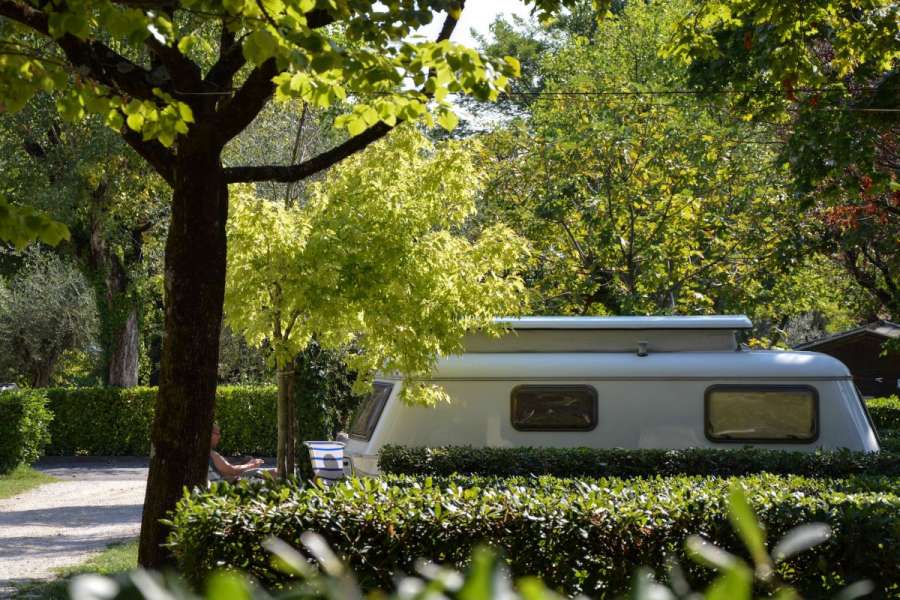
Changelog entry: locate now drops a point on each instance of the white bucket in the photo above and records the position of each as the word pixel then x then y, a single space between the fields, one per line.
pixel 327 459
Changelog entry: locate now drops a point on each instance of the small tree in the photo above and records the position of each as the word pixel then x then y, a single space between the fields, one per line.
pixel 371 259
pixel 46 309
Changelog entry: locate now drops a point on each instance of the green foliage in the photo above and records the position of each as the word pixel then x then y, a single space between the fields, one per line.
pixel 638 203
pixel 617 462
pixel 24 427
pixel 827 73
pixel 323 393
pixel 100 421
pixel 116 421
pixel 373 259
pixel 22 225
pixel 46 309
pixel 890 440
pixel 579 536
pixel 885 412
pixel 487 577
pixel 314 64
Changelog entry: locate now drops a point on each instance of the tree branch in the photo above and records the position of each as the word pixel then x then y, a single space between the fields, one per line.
pixel 184 72
pixel 230 61
pixel 159 157
pixel 102 63
pixel 238 112
pixel 289 173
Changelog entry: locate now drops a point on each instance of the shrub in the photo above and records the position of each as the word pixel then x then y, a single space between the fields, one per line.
pixel 890 440
pixel 579 536
pixel 116 421
pixel 101 421
pixel 24 421
pixel 885 412
pixel 594 462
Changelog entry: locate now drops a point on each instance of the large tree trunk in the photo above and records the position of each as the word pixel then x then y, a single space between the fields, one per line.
pixel 286 422
pixel 194 293
pixel 124 353
pixel 118 312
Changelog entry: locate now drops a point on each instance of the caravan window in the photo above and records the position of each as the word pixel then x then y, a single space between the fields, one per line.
pixel 773 413
pixel 366 418
pixel 554 408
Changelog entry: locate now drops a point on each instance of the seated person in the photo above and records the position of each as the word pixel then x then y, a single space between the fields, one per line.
pixel 219 468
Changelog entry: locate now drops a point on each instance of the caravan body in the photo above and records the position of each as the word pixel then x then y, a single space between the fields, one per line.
pixel 621 382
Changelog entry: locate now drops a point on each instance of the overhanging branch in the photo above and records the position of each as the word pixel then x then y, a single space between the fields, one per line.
pixel 159 157
pixel 289 173
pixel 104 65
pixel 327 159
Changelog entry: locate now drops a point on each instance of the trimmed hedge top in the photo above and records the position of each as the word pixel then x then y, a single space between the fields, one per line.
pixel 116 421
pixel 885 412
pixel 615 462
pixel 579 536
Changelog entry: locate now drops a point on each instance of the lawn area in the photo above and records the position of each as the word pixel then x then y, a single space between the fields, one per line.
pixel 21 480
pixel 115 559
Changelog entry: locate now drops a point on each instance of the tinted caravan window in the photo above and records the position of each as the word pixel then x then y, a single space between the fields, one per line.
pixel 762 414
pixel 554 407
pixel 370 411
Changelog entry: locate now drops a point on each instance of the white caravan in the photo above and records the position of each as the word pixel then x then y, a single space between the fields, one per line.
pixel 620 382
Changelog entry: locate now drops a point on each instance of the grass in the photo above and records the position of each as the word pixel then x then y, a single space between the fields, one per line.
pixel 22 479
pixel 117 558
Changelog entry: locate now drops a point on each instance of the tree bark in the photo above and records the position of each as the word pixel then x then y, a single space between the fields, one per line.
pixel 286 423
pixel 194 294
pixel 124 353
pixel 118 311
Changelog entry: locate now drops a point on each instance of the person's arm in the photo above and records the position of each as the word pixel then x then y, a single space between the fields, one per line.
pixel 225 468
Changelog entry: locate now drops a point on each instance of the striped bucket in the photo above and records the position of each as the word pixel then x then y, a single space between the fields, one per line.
pixel 327 459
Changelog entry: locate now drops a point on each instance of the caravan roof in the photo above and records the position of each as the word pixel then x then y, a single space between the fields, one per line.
pixel 612 334
pixel 731 322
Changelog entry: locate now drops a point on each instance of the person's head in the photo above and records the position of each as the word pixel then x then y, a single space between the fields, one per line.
pixel 216 435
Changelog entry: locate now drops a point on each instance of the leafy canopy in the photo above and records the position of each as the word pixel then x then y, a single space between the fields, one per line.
pixel 375 259
pixel 636 202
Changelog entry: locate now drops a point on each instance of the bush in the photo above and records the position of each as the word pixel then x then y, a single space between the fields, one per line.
pixel 101 421
pixel 24 421
pixel 595 462
pixel 116 421
pixel 579 536
pixel 890 440
pixel 885 412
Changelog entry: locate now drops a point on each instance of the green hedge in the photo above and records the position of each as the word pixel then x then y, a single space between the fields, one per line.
pixel 580 536
pixel 616 462
pixel 885 412
pixel 890 440
pixel 116 421
pixel 24 421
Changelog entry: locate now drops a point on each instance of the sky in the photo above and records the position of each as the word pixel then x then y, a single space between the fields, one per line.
pixel 478 14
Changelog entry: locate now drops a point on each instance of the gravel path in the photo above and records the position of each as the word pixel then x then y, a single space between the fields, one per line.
pixel 97 502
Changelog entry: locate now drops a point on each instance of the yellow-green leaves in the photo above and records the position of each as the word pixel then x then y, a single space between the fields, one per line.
pixel 21 225
pixel 260 46
pixel 372 257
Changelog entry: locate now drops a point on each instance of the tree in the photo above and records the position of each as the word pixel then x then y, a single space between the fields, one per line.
pixel 827 74
pixel 370 260
pixel 83 175
pixel 638 202
pixel 45 310
pixel 179 80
